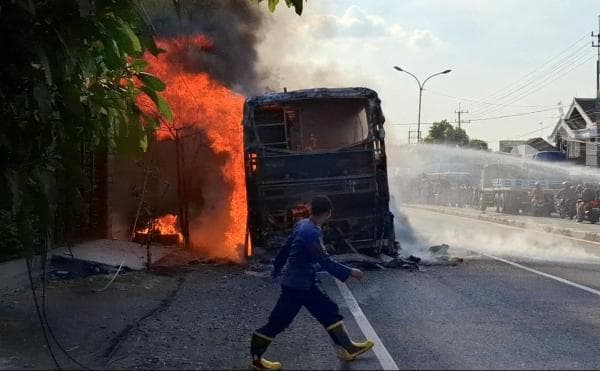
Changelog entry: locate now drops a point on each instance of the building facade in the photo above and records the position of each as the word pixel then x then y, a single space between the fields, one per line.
pixel 577 134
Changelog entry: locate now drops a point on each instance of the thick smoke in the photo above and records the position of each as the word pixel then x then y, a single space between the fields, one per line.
pixel 234 28
pixel 253 50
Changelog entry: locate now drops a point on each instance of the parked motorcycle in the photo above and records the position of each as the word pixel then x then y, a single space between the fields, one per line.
pixel 566 207
pixel 589 211
pixel 539 208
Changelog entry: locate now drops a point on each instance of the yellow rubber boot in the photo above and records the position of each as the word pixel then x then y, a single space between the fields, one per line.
pixel 258 347
pixel 264 364
pixel 347 349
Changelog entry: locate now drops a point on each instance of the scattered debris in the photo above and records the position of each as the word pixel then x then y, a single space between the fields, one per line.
pixel 403 263
pixel 439 249
pixel 264 274
pixel 260 267
pixel 69 268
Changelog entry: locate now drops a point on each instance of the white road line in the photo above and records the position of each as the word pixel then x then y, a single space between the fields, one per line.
pixel 562 280
pixel 384 357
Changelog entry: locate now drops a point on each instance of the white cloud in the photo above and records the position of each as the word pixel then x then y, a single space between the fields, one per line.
pixel 357 23
pixel 423 39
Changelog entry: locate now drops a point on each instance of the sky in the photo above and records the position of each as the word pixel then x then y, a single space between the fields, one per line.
pixel 507 57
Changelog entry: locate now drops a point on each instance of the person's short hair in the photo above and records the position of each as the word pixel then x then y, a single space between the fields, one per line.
pixel 320 205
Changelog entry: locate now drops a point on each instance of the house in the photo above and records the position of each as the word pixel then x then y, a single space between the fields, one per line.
pixel 508 145
pixel 577 134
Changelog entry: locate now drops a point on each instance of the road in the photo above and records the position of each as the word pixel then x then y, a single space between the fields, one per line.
pixel 488 313
pixel 521 299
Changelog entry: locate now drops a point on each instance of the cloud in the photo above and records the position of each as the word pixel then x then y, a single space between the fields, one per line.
pixel 357 23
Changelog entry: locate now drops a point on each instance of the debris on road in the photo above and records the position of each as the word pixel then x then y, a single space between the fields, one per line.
pixel 439 249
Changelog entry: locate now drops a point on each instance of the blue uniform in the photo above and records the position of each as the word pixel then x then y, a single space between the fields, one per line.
pixel 297 262
pixel 301 256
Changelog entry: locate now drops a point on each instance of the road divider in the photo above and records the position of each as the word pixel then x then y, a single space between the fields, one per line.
pixel 571 233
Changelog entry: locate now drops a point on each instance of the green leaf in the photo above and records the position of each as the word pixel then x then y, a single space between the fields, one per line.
pixel 273 5
pixel 152 81
pixel 164 109
pixel 124 36
pixel 134 41
pixel 160 102
pixel 139 65
pixel 297 4
pixel 144 143
pixel 148 42
pixel 112 55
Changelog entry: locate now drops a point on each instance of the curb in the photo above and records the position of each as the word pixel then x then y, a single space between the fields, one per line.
pixel 566 232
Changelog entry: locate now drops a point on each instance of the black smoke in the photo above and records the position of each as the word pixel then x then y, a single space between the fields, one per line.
pixel 233 26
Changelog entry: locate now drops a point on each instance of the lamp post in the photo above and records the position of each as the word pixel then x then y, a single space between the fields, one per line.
pixel 420 95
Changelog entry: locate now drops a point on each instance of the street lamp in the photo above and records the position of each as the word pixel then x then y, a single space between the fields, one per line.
pixel 420 94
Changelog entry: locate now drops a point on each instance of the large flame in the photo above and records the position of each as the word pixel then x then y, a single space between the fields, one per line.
pixel 198 100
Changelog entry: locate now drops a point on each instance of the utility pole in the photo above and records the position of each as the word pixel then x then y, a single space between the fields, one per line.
pixel 597 45
pixel 459 112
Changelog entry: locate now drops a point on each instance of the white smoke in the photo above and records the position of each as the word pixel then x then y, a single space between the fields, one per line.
pixel 465 236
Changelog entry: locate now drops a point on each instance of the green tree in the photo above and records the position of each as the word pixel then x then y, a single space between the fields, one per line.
pixel 71 76
pixel 443 132
pixel 296 4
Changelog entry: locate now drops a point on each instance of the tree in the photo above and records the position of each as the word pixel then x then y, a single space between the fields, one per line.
pixel 71 76
pixel 444 133
pixel 296 4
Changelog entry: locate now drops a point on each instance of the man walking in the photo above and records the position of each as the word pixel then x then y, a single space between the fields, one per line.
pixel 300 287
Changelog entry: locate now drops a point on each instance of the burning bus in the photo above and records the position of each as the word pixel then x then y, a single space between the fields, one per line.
pixel 318 141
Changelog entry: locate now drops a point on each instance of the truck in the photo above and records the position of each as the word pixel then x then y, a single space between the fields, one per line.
pixel 450 188
pixel 509 187
pixel 324 141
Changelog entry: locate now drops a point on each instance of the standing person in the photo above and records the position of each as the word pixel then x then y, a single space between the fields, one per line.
pixel 300 287
pixel 587 196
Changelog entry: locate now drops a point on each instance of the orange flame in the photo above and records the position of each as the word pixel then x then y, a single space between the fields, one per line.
pixel 199 101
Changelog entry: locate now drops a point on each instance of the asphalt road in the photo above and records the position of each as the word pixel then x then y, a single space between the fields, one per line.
pixel 520 300
pixel 486 313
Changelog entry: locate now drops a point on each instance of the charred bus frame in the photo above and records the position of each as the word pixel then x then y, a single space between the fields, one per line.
pixel 318 141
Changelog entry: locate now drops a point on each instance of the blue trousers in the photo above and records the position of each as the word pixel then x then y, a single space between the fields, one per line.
pixel 291 300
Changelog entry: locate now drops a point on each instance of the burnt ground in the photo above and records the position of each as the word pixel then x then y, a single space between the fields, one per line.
pixel 198 316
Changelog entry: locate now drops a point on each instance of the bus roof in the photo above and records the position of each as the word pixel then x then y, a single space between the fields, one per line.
pixel 317 93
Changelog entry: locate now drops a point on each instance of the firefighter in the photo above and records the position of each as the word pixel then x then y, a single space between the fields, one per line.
pixel 300 287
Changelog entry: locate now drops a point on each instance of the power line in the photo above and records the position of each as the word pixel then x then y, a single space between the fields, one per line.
pixel 483 102
pixel 531 132
pixel 563 62
pixel 562 72
pixel 513 115
pixel 564 69
pixel 537 69
pixel 534 74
